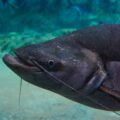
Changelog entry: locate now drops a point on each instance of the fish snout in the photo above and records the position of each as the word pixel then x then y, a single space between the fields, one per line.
pixel 24 56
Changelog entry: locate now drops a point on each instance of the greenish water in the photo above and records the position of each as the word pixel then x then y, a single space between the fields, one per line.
pixel 35 21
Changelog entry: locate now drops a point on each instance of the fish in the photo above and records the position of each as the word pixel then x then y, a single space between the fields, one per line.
pixel 81 66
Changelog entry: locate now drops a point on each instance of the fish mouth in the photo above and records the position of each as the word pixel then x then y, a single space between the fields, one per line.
pixel 18 62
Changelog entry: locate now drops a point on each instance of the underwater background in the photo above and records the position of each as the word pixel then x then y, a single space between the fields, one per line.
pixel 24 22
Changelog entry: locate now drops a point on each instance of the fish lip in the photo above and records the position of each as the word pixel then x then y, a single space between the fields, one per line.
pixel 17 62
pixel 13 61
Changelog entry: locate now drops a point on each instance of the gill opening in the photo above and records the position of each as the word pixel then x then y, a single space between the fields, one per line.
pixel 78 92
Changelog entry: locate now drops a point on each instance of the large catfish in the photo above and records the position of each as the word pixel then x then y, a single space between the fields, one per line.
pixel 78 66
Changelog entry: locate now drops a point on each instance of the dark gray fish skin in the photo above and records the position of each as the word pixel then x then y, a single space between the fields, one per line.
pixel 75 58
pixel 103 39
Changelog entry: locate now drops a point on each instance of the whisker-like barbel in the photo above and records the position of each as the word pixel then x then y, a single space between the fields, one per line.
pixel 20 90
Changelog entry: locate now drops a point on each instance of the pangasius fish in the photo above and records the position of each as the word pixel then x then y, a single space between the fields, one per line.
pixel 79 66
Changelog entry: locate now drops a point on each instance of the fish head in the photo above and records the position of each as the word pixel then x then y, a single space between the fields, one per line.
pixel 64 62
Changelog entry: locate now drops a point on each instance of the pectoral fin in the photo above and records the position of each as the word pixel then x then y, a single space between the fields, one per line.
pixel 96 81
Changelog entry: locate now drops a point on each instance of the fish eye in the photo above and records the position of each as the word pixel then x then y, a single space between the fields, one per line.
pixel 51 63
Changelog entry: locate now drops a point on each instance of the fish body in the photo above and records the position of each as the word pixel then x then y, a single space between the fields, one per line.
pixel 77 66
